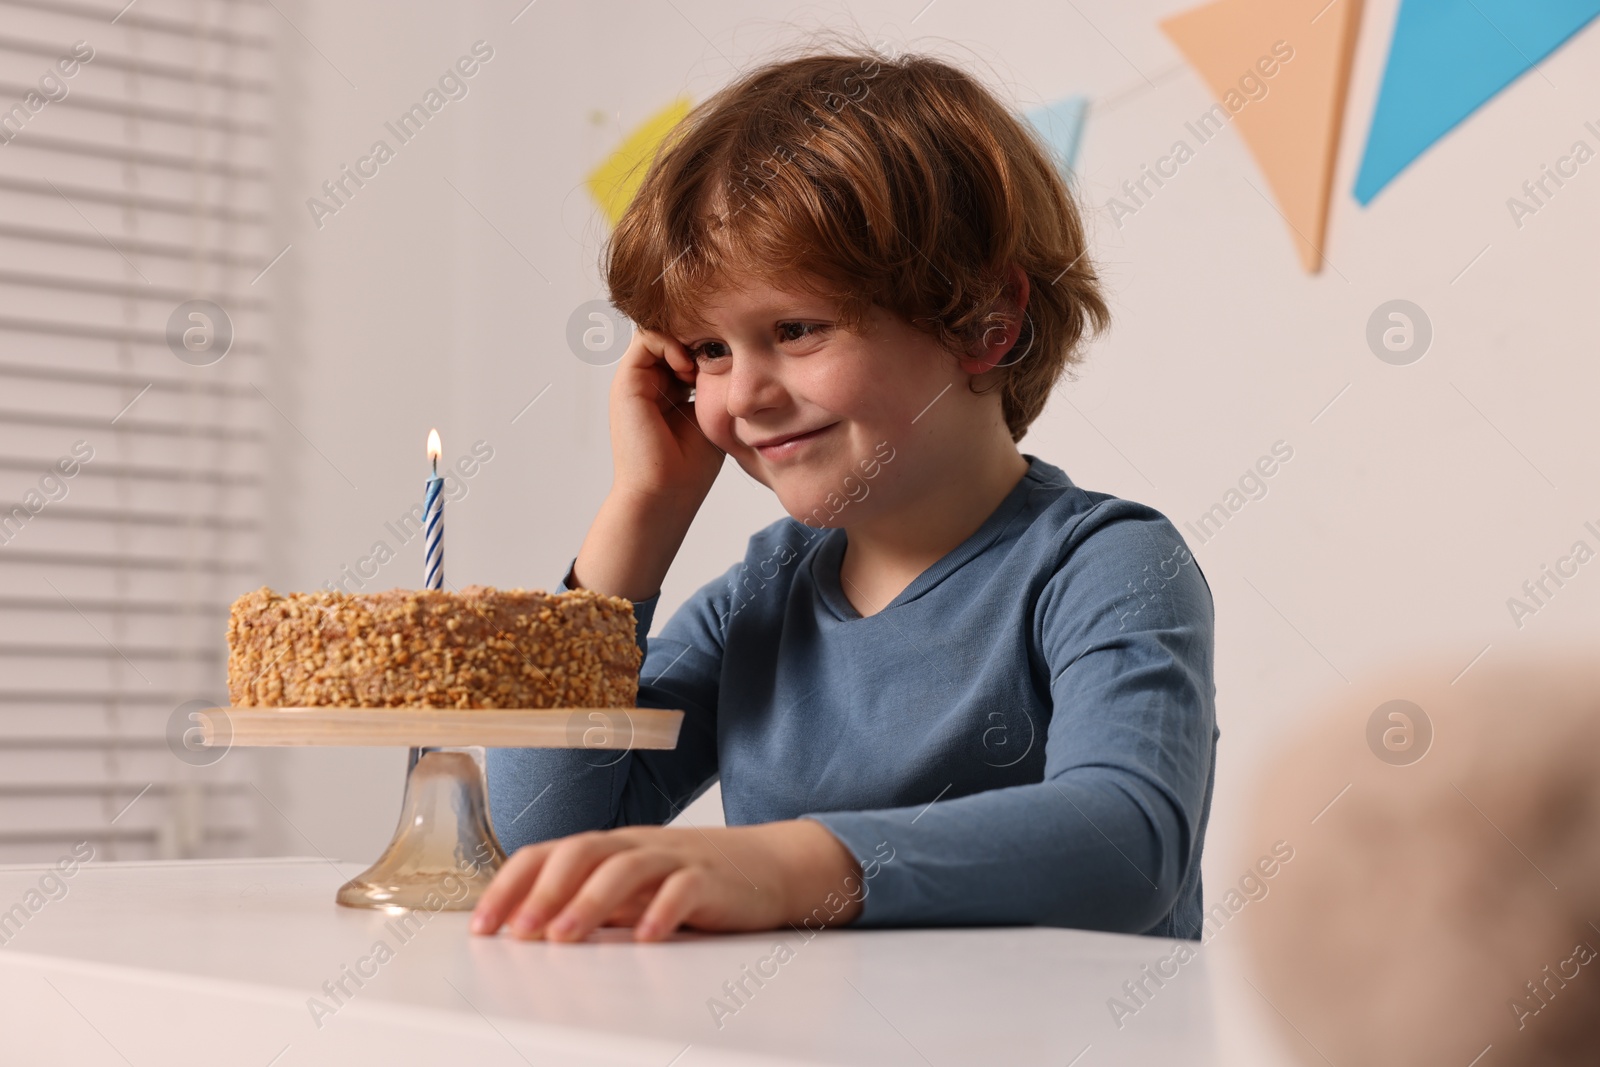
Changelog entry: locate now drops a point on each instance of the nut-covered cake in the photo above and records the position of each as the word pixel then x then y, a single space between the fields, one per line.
pixel 477 648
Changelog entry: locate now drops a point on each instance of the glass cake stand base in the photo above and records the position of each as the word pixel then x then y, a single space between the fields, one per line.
pixel 444 852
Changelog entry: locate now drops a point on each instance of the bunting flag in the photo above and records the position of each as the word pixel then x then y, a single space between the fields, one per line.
pixel 1279 69
pixel 1061 126
pixel 615 181
pixel 1446 59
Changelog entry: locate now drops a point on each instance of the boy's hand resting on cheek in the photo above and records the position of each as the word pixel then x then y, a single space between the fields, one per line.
pixel 658 878
pixel 663 466
pixel 656 441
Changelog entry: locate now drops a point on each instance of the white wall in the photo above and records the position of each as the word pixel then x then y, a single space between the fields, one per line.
pixel 1413 507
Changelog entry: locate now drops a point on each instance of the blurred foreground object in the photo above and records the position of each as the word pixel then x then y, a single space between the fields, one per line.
pixel 1442 908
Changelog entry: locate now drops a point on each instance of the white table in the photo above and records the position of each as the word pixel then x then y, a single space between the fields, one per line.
pixel 216 962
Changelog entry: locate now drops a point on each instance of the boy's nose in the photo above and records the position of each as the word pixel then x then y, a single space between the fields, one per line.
pixel 752 387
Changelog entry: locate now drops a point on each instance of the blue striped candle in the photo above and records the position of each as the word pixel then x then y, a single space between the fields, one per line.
pixel 432 554
pixel 433 520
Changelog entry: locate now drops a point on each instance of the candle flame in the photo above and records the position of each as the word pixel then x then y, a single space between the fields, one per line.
pixel 435 450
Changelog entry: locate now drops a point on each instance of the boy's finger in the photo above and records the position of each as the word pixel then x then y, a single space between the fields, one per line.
pixel 611 884
pixel 508 887
pixel 677 391
pixel 682 892
pixel 679 360
pixel 570 863
pixel 627 913
pixel 650 348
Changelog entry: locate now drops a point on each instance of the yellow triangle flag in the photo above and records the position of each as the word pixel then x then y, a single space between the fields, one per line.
pixel 615 181
pixel 1289 118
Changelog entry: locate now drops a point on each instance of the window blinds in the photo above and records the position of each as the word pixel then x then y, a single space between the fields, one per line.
pixel 135 158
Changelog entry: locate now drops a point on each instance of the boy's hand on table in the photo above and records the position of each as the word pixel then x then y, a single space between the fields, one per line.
pixel 658 878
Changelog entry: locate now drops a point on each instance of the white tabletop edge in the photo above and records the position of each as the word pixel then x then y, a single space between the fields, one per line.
pixel 234 861
pixel 548 1036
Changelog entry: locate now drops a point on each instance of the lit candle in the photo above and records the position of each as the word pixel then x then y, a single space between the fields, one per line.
pixel 432 550
pixel 433 520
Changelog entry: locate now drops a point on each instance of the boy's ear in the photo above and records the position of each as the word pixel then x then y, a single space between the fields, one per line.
pixel 994 349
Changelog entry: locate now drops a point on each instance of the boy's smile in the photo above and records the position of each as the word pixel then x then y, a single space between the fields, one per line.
pixel 784 446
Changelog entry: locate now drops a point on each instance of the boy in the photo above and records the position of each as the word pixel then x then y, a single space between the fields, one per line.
pixel 953 687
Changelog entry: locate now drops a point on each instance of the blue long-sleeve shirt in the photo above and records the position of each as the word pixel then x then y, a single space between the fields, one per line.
pixel 1026 734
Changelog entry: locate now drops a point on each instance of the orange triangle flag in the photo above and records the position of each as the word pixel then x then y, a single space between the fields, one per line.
pixel 1279 69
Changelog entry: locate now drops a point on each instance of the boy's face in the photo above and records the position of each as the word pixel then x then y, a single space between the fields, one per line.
pixel 773 363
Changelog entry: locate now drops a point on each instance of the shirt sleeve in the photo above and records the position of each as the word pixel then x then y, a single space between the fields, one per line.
pixel 536 794
pixel 1113 832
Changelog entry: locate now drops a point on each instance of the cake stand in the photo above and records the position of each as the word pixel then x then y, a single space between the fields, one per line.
pixel 444 851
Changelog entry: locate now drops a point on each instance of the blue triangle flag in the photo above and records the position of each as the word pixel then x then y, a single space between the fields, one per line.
pixel 1449 57
pixel 1061 125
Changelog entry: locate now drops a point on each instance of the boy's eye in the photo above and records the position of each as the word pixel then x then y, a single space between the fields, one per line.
pixel 699 353
pixel 788 332
pixel 806 330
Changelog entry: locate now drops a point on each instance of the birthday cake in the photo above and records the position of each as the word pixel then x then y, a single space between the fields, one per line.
pixel 477 648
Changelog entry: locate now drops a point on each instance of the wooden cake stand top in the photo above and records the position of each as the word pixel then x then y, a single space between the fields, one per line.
pixel 444 727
